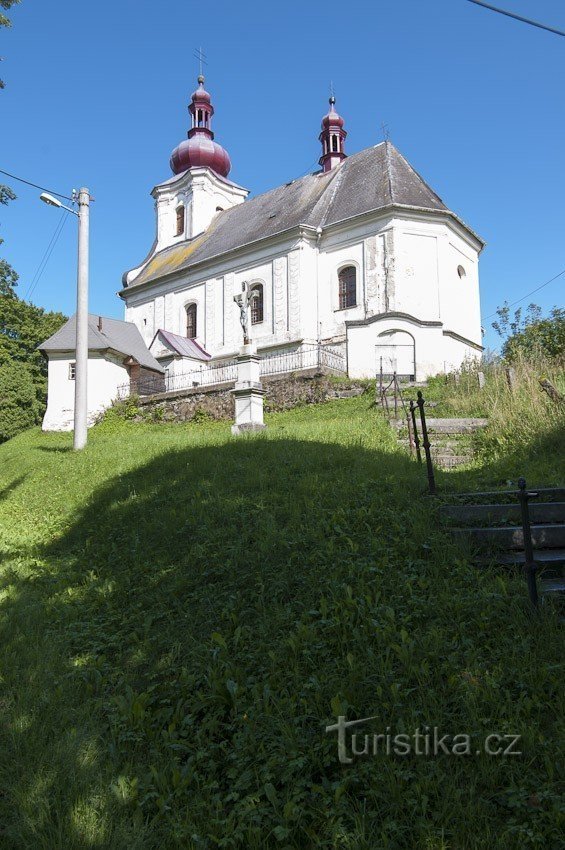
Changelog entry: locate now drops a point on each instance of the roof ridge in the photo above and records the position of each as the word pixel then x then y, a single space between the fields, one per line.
pixel 418 175
pixel 388 171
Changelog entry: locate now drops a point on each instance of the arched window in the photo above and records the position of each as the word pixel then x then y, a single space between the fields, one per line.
pixel 334 143
pixel 257 304
pixel 191 321
pixel 461 271
pixel 180 220
pixel 347 287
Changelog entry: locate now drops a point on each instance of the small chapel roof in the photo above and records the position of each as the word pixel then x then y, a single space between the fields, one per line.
pixel 104 334
pixel 376 178
pixel 182 345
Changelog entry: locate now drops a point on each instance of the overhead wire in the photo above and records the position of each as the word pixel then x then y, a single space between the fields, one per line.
pixel 516 17
pixel 523 298
pixel 47 254
pixel 35 185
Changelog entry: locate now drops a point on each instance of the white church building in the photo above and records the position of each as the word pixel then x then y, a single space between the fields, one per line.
pixel 361 256
pixel 360 262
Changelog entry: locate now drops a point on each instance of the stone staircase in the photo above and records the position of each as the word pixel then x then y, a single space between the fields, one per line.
pixel 489 526
pixel 451 440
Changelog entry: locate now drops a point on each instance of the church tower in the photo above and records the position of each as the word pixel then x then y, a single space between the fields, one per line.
pixel 187 203
pixel 332 138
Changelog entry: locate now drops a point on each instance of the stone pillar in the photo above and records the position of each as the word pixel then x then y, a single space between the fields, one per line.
pixel 248 392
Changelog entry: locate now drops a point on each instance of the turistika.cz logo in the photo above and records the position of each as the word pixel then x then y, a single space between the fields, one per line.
pixel 425 741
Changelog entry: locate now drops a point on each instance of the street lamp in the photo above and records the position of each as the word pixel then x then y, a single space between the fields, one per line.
pixel 81 344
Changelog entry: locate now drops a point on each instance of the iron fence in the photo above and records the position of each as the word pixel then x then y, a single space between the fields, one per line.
pixel 306 357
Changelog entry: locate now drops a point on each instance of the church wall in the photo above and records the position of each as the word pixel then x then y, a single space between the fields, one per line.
pixel 416 272
pixel 459 295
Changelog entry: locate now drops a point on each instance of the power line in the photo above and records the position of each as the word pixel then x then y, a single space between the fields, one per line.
pixel 47 255
pixel 517 17
pixel 35 186
pixel 523 298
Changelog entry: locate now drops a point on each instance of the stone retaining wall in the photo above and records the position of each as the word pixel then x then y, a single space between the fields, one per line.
pixel 282 393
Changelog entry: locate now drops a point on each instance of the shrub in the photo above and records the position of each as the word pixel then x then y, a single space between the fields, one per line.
pixel 19 408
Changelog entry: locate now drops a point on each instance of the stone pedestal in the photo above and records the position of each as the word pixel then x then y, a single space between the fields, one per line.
pixel 248 392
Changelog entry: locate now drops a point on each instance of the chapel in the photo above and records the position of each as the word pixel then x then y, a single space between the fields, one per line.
pixel 360 258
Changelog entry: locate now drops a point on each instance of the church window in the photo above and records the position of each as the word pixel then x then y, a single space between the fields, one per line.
pixel 180 220
pixel 347 287
pixel 461 271
pixel 219 209
pixel 191 321
pixel 72 371
pixel 334 143
pixel 257 304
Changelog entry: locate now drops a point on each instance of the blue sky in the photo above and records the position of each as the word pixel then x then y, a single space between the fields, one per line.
pixel 97 94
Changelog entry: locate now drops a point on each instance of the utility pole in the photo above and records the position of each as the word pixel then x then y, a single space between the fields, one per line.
pixel 81 368
pixel 81 318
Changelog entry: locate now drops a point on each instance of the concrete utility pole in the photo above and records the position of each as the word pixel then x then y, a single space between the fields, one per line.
pixel 81 339
pixel 81 369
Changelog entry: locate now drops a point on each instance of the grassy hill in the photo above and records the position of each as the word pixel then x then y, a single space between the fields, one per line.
pixel 182 614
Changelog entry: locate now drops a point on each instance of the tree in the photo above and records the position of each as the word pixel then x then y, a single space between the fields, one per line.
pixel 23 326
pixel 18 401
pixel 544 338
pixel 530 335
pixel 4 21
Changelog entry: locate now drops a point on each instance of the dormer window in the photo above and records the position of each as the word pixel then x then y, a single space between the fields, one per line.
pixel 180 220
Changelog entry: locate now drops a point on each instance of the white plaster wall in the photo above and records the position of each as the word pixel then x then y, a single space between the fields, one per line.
pixel 105 375
pixel 362 352
pixel 331 261
pixel 459 297
pixel 416 278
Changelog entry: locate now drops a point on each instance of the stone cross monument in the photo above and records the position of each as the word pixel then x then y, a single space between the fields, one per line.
pixel 248 392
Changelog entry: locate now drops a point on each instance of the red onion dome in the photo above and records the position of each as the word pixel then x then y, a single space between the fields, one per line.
pixel 201 94
pixel 200 151
pixel 332 118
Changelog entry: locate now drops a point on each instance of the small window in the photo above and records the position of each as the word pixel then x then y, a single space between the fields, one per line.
pixel 334 143
pixel 72 371
pixel 191 321
pixel 257 304
pixel 219 209
pixel 461 271
pixel 180 220
pixel 347 287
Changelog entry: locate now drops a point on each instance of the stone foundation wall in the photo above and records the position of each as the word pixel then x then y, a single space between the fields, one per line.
pixel 282 393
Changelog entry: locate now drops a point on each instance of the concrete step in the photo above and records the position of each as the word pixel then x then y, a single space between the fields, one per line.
pixel 552 586
pixel 451 461
pixel 446 426
pixel 540 512
pixel 544 536
pixel 551 561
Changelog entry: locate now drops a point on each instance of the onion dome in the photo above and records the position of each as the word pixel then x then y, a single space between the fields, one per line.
pixel 200 150
pixel 332 118
pixel 332 138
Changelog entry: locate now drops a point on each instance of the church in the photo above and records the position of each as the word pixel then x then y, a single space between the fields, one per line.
pixel 361 256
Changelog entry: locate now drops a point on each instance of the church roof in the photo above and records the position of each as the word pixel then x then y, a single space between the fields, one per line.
pixel 104 334
pixel 371 180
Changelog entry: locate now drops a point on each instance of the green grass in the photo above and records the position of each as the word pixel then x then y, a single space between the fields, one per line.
pixel 183 613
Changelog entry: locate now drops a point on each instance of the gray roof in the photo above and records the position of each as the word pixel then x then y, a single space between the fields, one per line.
pixel 373 179
pixel 123 337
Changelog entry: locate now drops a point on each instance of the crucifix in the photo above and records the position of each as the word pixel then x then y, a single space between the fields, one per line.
pixel 243 301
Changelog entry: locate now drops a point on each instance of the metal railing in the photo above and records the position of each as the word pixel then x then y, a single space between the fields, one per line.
pixel 305 357
pixel 225 372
